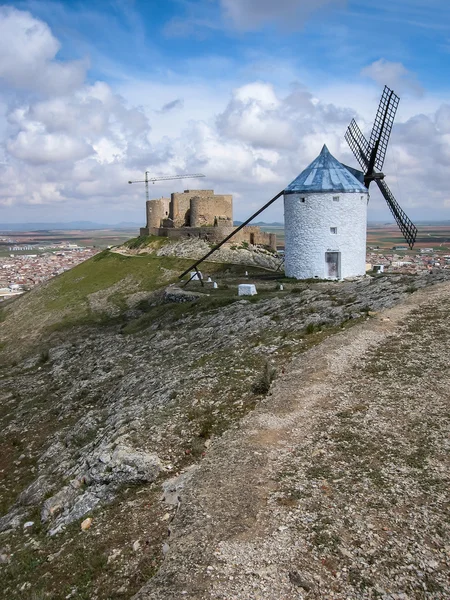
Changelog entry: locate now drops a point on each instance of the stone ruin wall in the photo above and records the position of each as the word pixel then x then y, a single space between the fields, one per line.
pixel 157 210
pixel 215 235
pixel 206 209
pixel 180 206
pixel 253 235
pixel 200 214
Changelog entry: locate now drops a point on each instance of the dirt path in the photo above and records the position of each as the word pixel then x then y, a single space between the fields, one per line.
pixel 336 486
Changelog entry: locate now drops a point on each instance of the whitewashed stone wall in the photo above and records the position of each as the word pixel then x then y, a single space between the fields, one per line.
pixel 308 235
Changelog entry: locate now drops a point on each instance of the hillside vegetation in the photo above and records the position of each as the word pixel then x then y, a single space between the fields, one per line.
pixel 114 381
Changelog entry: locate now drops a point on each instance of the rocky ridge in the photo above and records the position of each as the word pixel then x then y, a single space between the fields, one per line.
pixel 244 254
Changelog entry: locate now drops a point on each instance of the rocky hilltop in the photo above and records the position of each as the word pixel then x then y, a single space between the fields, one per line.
pixel 170 442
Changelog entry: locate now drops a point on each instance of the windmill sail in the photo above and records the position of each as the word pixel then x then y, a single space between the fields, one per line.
pixel 371 154
pixel 358 144
pixel 406 226
pixel 382 126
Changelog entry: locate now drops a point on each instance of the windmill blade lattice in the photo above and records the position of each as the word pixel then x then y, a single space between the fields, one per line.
pixel 406 226
pixel 382 126
pixel 358 144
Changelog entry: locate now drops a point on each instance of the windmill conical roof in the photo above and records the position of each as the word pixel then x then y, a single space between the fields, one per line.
pixel 325 174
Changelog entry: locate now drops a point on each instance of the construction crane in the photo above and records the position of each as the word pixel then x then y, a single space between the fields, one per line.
pixel 153 179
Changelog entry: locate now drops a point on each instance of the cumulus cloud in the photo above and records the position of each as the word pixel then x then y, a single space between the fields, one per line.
pixel 253 115
pixel 257 116
pixel 27 56
pixel 78 145
pixel 248 15
pixel 393 74
pixel 40 148
pixel 61 138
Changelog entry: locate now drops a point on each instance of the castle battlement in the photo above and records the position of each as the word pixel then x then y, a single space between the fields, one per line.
pixel 199 214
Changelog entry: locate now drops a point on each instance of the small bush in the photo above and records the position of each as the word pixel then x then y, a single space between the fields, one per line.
pixel 44 357
pixel 310 328
pixel 262 385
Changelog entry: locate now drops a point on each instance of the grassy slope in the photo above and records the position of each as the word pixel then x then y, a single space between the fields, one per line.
pixel 92 292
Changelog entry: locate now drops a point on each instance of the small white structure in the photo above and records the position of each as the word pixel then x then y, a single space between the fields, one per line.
pixel 378 268
pixel 247 289
pixel 196 276
pixel 325 216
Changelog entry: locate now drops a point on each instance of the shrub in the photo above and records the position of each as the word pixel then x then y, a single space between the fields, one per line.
pixel 44 356
pixel 262 385
pixel 310 328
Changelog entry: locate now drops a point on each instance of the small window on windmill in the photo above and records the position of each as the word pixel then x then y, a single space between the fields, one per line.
pixel 302 199
pixel 335 198
pixel 333 229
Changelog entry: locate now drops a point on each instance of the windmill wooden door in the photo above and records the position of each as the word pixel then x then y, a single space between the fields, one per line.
pixel 333 265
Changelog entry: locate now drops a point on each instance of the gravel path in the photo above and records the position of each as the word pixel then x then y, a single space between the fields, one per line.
pixel 337 486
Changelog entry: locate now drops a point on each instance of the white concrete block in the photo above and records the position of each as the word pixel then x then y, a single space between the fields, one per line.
pixel 247 289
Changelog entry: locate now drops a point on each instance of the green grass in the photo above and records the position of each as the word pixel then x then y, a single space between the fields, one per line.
pixel 151 241
pixel 96 292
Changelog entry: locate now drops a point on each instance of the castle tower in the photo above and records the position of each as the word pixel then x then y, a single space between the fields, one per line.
pixel 325 214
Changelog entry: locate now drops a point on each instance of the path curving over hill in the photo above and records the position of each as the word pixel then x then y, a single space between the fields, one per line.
pixel 336 487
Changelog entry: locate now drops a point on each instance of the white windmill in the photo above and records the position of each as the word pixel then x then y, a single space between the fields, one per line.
pixel 326 205
pixel 325 216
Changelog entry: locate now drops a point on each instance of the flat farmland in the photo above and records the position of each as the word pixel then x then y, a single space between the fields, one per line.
pixel 386 236
pixel 429 236
pixel 98 238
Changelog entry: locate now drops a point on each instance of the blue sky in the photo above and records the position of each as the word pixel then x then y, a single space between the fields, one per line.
pixel 247 91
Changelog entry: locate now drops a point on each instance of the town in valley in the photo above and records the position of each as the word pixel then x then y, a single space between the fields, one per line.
pixel 29 258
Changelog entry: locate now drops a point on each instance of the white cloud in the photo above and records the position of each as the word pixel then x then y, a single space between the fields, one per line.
pixel 393 74
pixel 41 148
pixel 257 116
pixel 74 148
pixel 27 56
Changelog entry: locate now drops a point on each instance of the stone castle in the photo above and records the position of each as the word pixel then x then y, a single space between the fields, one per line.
pixel 200 214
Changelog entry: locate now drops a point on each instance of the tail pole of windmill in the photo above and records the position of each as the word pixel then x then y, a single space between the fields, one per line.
pixel 148 179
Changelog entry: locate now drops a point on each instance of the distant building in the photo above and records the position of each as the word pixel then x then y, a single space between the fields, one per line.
pixel 200 214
